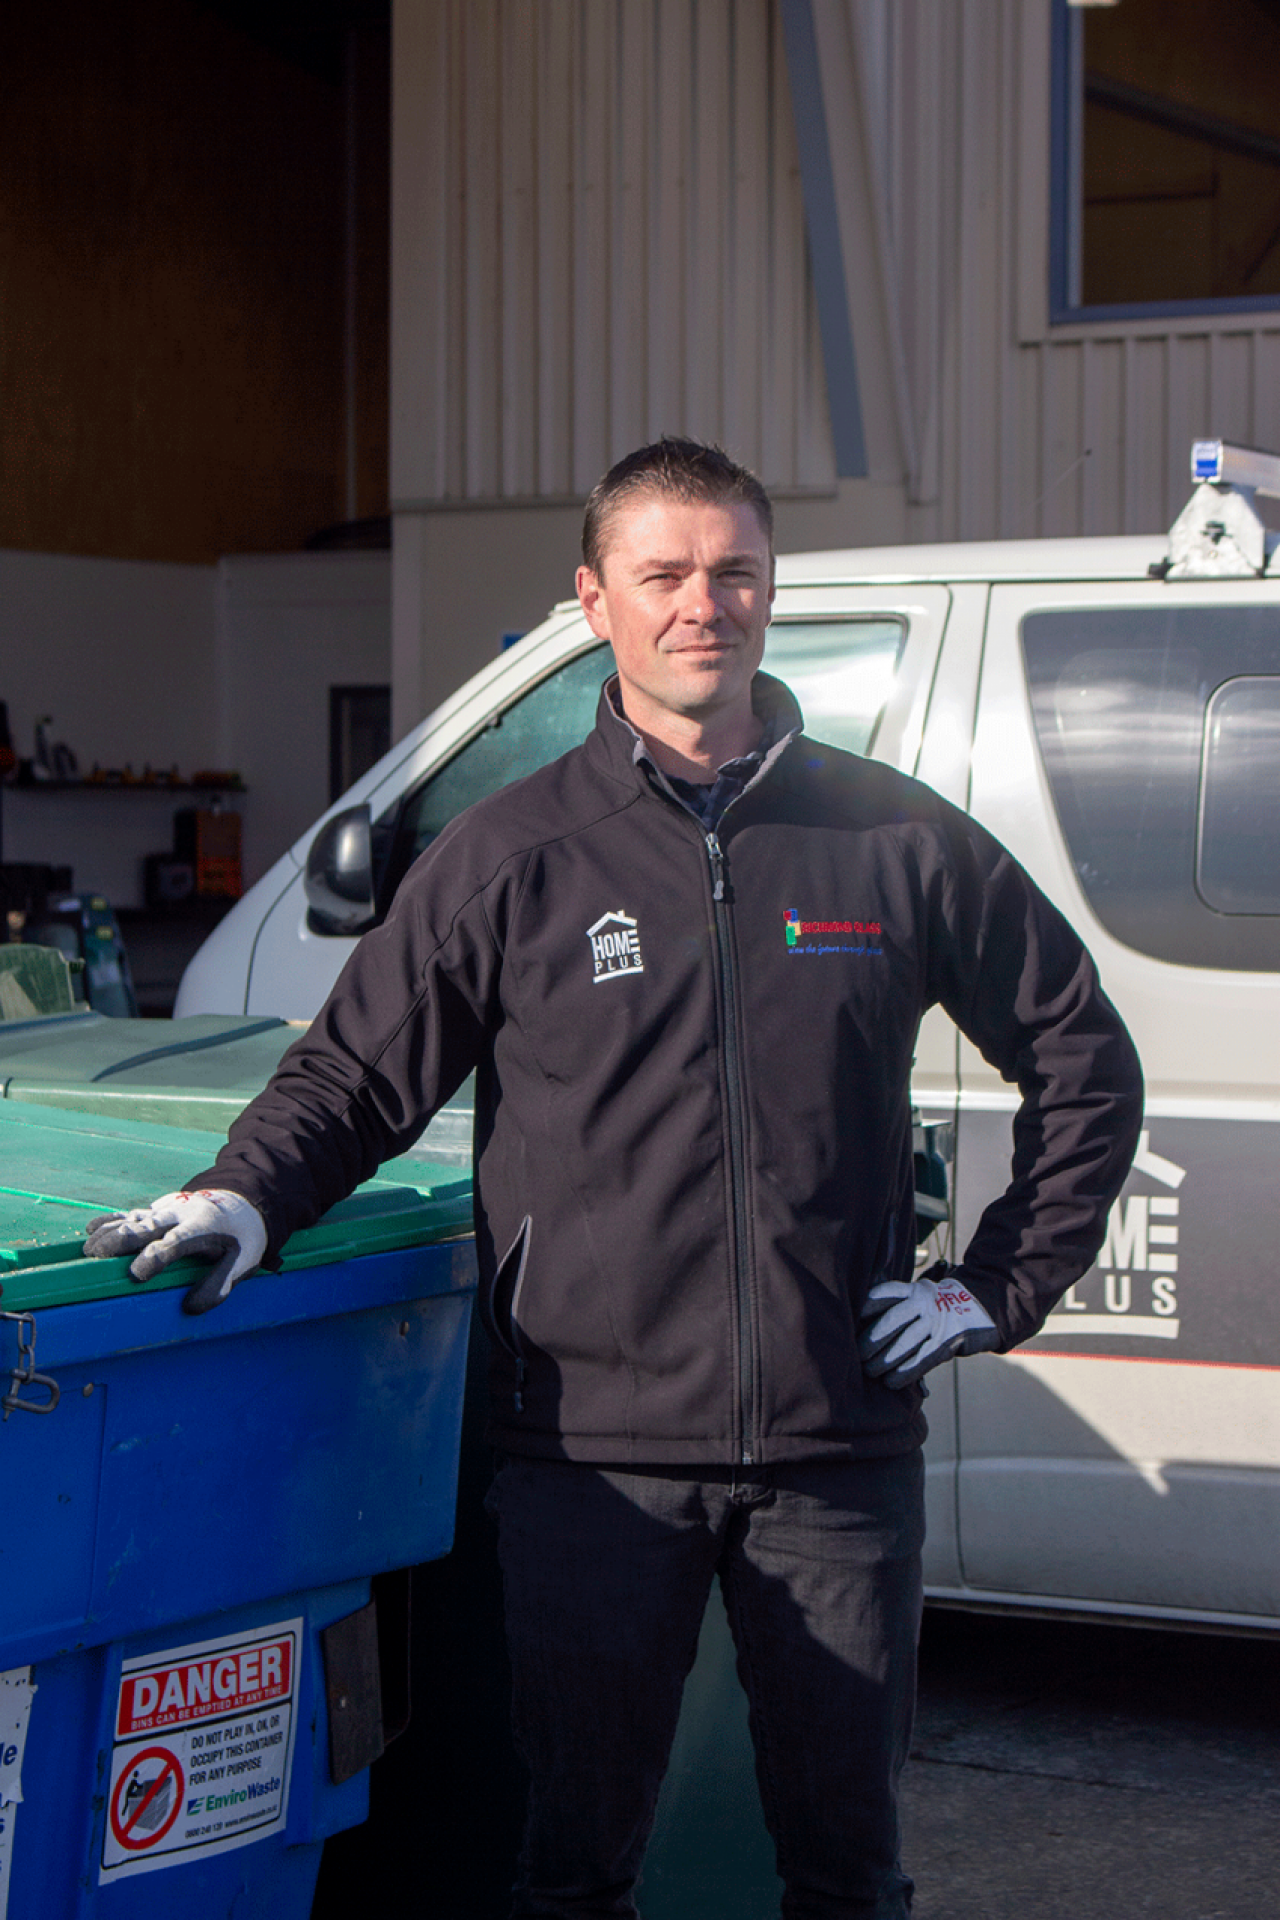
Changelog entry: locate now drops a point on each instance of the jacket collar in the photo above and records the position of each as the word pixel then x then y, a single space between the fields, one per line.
pixel 616 744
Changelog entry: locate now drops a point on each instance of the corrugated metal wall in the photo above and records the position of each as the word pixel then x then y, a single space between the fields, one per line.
pixel 1024 429
pixel 598 236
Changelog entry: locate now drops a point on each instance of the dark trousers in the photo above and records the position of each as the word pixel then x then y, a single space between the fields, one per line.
pixel 606 1575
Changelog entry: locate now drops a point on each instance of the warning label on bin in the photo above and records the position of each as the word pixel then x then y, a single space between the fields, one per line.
pixel 16 1689
pixel 203 1750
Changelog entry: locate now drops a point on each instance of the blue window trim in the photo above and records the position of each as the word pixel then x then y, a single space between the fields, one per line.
pixel 1066 130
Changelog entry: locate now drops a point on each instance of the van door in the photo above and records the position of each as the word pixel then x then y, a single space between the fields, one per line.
pixel 1127 750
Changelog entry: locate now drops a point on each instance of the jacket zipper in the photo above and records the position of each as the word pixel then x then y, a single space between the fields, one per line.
pixel 744 1292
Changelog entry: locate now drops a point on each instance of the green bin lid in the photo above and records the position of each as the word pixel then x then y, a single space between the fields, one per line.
pixel 60 1169
pixel 197 1073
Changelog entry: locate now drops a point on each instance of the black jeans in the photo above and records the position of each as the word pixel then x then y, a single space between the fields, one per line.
pixel 606 1575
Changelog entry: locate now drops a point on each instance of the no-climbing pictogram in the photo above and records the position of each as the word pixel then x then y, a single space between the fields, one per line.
pixel 147 1799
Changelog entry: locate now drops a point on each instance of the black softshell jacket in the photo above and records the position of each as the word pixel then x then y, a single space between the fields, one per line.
pixel 693 1131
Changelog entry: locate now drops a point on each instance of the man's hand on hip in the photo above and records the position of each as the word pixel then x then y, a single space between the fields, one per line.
pixel 912 1325
pixel 210 1225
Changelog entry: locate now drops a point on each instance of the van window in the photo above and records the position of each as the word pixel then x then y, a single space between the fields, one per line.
pixel 1238 859
pixel 841 672
pixel 1160 736
pixel 556 714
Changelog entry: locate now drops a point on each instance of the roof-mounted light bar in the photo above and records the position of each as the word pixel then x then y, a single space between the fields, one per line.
pixel 1223 465
pixel 1220 533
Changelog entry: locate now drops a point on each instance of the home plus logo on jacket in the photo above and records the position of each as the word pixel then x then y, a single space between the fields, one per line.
pixel 864 932
pixel 615 946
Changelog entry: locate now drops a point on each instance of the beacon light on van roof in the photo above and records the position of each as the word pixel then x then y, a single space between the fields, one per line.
pixel 1219 534
pixel 1224 465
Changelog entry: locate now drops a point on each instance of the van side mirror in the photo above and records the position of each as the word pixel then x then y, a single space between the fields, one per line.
pixel 339 878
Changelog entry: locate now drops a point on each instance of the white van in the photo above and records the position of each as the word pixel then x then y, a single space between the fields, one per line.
pixel 1110 709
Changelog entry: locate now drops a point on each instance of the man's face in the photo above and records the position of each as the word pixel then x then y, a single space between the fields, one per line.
pixel 684 601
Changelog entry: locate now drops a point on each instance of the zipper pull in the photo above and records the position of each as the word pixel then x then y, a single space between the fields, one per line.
pixel 519 1392
pixel 716 853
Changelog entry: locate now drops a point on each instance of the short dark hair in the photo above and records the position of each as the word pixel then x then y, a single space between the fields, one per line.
pixel 681 469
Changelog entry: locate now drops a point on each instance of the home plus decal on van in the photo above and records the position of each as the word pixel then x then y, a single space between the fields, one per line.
pixel 615 946
pixel 1137 1265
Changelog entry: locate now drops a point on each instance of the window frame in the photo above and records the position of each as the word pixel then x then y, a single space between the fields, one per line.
pixel 1066 210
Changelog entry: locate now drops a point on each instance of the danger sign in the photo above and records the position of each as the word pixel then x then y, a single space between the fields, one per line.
pixel 147 1799
pixel 218 1775
pixel 187 1690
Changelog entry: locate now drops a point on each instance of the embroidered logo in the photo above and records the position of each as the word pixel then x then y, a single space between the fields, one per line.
pixel 852 936
pixel 615 946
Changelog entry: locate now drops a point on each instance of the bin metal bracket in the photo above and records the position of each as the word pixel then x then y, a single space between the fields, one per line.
pixel 354 1692
pixel 24 1374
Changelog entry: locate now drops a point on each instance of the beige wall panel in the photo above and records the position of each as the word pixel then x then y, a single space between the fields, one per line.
pixel 1062 443
pixel 461 579
pixel 593 229
pixel 967 181
pixel 973 465
pixel 1188 415
pixel 594 206
pixel 634 264
pixel 549 303
pixel 488 217
pixel 685 285
pixel 747 360
pixel 868 265
pixel 600 236
pixel 1149 454
pixel 420 260
pixel 1022 511
pixel 1266 391
pixel 1102 405
pixel 520 264
pixel 1230 404
pixel 87 640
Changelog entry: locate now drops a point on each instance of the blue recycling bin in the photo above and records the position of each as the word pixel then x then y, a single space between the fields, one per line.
pixel 189 1693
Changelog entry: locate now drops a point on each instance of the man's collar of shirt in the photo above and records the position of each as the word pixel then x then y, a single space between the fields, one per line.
pixel 774 705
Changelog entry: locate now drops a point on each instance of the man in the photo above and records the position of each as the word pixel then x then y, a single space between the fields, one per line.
pixel 694 1188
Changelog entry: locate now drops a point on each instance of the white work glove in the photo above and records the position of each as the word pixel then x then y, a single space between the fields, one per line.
pixel 912 1325
pixel 210 1225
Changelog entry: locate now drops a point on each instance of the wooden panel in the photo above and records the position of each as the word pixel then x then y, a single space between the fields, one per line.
pixel 171 284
